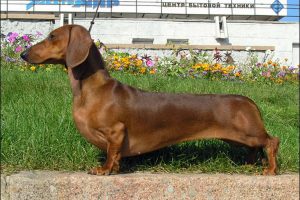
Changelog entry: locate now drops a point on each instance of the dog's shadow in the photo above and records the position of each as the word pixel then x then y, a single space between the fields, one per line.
pixel 188 154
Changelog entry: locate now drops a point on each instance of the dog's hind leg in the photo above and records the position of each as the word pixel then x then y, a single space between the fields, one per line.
pixel 271 148
pixel 270 145
pixel 257 140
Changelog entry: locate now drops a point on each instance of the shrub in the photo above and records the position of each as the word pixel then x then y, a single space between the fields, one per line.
pixel 182 63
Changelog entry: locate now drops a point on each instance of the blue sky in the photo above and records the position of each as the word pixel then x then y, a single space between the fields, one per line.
pixel 292 12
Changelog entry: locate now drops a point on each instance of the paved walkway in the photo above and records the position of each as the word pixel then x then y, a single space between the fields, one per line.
pixel 78 185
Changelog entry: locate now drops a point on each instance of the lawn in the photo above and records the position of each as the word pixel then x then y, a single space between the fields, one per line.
pixel 37 131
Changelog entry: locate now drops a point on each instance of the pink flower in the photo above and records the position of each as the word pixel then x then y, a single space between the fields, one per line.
pixel 12 37
pixel 18 49
pixel 149 63
pixel 26 38
pixel 266 74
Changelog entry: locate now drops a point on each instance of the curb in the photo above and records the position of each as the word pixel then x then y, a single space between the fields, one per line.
pixel 78 185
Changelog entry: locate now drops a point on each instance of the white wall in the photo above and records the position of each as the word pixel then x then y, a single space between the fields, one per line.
pixel 121 31
pixel 280 35
pixel 26 26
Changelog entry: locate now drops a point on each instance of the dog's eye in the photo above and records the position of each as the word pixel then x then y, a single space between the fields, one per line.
pixel 51 37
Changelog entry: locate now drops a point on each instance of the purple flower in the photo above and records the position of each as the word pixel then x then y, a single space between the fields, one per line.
pixel 149 63
pixel 12 34
pixel 12 37
pixel 9 59
pixel 281 74
pixel 292 68
pixel 18 49
pixel 204 73
pixel 258 64
pixel 26 38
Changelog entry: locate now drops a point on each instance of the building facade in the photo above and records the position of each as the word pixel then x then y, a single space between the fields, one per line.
pixel 230 25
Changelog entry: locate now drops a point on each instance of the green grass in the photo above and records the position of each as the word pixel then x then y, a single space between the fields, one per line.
pixel 37 131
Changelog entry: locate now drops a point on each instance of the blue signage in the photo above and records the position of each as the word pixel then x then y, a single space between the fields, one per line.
pixel 75 3
pixel 277 6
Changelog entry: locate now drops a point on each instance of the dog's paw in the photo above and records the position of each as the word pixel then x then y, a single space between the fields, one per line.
pixel 268 172
pixel 100 171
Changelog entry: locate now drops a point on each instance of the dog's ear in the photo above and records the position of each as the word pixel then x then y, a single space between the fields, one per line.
pixel 79 45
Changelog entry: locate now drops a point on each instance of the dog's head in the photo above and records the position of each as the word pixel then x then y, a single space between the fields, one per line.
pixel 68 45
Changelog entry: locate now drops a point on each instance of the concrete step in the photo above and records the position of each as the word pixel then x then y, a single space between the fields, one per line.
pixel 79 185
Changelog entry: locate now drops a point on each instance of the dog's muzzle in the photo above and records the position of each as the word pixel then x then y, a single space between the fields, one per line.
pixel 24 55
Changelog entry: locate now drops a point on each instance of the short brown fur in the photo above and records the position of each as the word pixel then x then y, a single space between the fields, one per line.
pixel 125 121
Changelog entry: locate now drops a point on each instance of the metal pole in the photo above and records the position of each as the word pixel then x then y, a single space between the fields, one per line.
pixel 231 10
pixel 111 8
pixel 255 9
pixel 6 9
pixel 85 8
pixel 208 9
pixel 185 5
pixel 161 5
pixel 136 9
pixel 59 8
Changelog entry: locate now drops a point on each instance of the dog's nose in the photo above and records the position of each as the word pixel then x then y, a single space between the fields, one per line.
pixel 24 55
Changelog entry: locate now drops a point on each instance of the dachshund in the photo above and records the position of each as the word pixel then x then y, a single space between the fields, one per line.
pixel 125 121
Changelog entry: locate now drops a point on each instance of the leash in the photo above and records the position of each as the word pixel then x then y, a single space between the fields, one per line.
pixel 92 22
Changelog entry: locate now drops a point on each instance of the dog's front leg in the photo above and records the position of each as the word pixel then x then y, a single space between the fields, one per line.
pixel 115 137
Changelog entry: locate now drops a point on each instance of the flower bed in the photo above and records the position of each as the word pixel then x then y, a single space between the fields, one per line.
pixel 182 63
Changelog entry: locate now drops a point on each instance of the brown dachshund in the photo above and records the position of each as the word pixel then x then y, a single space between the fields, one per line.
pixel 125 121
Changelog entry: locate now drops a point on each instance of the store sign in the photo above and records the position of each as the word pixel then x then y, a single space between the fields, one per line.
pixel 209 5
pixel 187 7
pixel 76 3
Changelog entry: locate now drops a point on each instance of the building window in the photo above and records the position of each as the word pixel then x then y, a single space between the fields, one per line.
pixel 142 40
pixel 177 41
pixel 295 58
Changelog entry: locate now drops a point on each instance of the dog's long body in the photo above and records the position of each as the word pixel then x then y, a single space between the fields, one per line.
pixel 125 121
